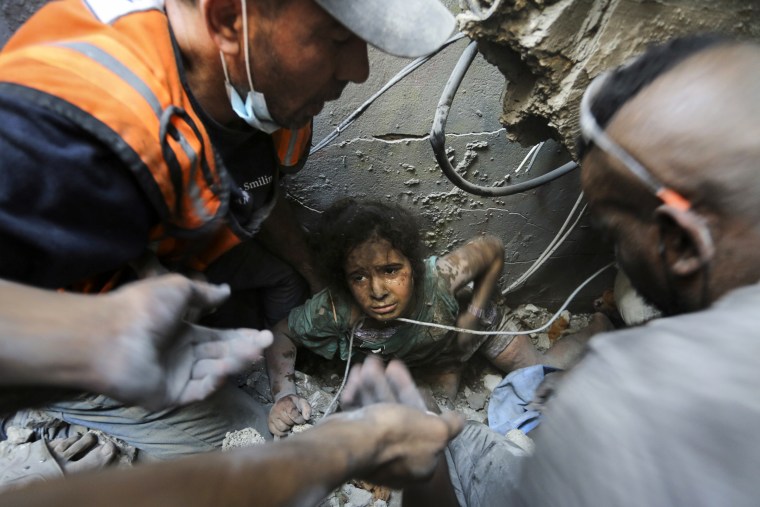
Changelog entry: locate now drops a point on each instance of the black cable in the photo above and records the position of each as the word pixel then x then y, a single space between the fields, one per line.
pixel 438 139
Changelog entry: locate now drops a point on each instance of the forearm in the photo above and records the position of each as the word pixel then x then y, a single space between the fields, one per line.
pixel 300 470
pixel 485 259
pixel 485 283
pixel 282 234
pixel 47 338
pixel 281 360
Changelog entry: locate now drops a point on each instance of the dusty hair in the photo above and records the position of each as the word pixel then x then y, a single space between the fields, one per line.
pixel 348 223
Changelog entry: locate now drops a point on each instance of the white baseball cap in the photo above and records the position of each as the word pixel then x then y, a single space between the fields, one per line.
pixel 407 28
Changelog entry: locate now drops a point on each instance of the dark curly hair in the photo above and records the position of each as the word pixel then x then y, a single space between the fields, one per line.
pixel 348 223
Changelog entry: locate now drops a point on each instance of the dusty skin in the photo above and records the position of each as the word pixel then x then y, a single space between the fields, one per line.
pixel 131 344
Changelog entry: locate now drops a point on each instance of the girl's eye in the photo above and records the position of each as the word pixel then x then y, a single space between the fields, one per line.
pixel 391 270
pixel 358 278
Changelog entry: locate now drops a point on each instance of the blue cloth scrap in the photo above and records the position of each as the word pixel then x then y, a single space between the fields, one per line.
pixel 507 408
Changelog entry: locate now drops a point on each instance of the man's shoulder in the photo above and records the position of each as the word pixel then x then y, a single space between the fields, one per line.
pixel 662 414
pixel 30 125
pixel 724 330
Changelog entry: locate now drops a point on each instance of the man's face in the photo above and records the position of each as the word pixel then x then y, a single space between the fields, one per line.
pixel 301 58
pixel 617 211
pixel 380 279
pixel 694 128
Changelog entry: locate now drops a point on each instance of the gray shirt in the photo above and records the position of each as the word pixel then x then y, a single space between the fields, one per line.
pixel 665 414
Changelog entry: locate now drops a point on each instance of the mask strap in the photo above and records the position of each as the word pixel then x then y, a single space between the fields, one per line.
pixel 245 47
pixel 224 67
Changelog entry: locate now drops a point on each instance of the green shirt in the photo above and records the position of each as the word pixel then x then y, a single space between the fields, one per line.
pixel 322 325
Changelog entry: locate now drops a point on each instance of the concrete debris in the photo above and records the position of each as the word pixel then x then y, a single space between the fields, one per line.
pixel 357 497
pixel 319 401
pixel 300 428
pixel 550 50
pixel 528 317
pixel 490 381
pixel 350 495
pixel 17 436
pixel 476 401
pixel 241 438
pixel 477 145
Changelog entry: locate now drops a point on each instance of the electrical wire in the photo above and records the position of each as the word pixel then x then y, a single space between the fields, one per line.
pixel 555 243
pixel 438 139
pixel 331 407
pixel 513 333
pixel 408 69
pixel 534 152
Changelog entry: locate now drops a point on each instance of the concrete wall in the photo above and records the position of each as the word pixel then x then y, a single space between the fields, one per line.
pixel 551 49
pixel 386 155
pixel 13 13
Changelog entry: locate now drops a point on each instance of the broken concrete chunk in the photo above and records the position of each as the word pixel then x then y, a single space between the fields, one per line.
pixel 18 435
pixel 319 401
pixel 242 438
pixel 549 50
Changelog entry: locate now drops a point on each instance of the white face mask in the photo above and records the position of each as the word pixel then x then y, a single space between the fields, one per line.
pixel 254 109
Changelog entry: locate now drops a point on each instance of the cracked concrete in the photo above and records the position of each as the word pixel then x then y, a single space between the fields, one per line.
pixel 549 50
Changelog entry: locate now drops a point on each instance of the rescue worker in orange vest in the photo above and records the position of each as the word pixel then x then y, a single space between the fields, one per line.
pixel 134 128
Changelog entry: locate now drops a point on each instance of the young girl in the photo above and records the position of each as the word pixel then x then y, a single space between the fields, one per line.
pixel 372 254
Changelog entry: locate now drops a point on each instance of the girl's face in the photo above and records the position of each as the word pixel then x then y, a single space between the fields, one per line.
pixel 380 279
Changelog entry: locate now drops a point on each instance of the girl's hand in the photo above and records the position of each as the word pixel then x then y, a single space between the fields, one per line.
pixel 286 412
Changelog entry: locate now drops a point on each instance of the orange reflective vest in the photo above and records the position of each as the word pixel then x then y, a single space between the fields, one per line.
pixel 110 67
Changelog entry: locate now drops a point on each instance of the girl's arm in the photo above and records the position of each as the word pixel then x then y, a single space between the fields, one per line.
pixel 479 261
pixel 289 408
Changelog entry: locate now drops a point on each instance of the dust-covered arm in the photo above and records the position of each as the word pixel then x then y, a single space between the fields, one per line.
pixel 289 408
pixel 480 261
pixel 131 344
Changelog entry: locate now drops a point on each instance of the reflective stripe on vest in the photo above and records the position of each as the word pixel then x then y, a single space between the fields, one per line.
pixel 119 81
pixel 121 84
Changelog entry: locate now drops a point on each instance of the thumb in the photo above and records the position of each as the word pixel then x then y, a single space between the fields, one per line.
pixel 205 296
pixel 454 423
pixel 304 408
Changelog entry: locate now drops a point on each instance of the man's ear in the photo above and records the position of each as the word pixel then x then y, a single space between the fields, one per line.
pixel 685 238
pixel 224 21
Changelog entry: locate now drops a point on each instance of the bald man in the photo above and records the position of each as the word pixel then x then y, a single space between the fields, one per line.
pixel 667 414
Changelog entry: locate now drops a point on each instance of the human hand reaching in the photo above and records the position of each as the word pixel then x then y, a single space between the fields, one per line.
pixel 156 359
pixel 410 438
pixel 286 412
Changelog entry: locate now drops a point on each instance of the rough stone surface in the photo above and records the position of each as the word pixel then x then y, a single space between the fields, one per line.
pixel 13 13
pixel 550 49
